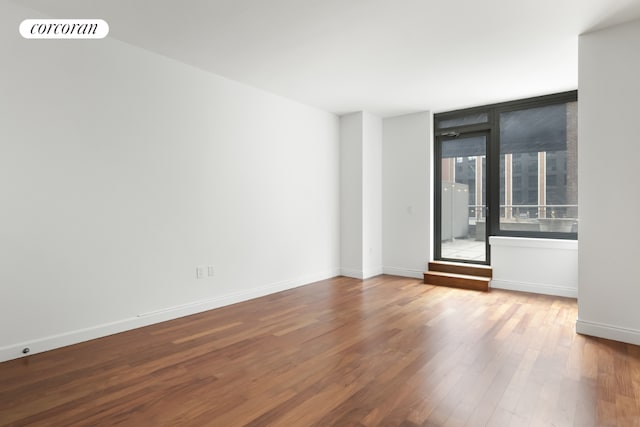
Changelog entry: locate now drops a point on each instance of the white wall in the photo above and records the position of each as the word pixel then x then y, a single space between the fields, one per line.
pixel 360 195
pixel 543 266
pixel 351 195
pixel 609 91
pixel 406 194
pixel 372 195
pixel 121 170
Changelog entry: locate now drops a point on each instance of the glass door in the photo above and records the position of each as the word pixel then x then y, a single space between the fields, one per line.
pixel 461 197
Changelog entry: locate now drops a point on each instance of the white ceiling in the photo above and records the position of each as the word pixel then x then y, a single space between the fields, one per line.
pixel 385 56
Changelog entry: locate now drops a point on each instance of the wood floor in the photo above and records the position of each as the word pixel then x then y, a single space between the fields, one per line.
pixel 385 351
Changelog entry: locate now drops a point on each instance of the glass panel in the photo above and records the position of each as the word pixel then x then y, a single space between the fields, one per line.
pixel 534 130
pixel 538 169
pixel 470 119
pixel 463 208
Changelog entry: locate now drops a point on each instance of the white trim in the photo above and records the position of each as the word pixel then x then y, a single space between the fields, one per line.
pixel 602 330
pixel 373 272
pixel 538 288
pixel 350 272
pixel 525 242
pixel 14 351
pixel 403 272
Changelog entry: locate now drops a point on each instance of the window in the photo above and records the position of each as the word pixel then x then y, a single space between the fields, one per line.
pixel 470 119
pixel 540 139
pixel 531 167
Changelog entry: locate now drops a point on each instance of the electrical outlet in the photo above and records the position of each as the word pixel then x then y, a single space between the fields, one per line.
pixel 200 272
pixel 210 271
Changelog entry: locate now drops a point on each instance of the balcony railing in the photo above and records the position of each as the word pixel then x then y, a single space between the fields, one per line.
pixel 527 211
pixel 563 218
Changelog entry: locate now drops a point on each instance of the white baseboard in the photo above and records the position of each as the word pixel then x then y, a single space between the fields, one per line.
pixel 372 272
pixel 610 332
pixel 351 272
pixel 403 272
pixel 536 288
pixel 14 351
pixel 361 274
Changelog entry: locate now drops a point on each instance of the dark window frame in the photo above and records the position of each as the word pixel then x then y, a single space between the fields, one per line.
pixel 438 196
pixel 493 155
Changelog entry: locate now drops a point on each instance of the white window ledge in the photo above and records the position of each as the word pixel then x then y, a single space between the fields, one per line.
pixel 525 242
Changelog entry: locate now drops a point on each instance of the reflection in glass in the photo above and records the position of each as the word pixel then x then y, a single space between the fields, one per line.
pixel 538 169
pixel 470 119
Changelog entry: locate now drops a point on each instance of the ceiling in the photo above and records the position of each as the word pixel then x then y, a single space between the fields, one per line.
pixel 388 57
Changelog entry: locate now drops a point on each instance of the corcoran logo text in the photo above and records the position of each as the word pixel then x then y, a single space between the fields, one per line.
pixel 64 29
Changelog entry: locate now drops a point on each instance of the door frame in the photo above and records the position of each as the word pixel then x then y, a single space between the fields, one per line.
pixel 449 135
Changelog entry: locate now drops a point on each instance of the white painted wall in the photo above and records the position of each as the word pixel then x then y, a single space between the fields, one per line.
pixel 542 266
pixel 372 195
pixel 360 195
pixel 609 91
pixel 406 194
pixel 351 195
pixel 121 170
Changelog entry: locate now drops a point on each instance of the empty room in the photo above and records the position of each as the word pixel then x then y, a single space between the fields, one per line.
pixel 319 213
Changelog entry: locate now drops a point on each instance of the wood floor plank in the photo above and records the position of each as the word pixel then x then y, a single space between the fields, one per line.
pixel 341 352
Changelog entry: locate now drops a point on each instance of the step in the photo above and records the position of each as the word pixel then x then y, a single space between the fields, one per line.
pixel 462 281
pixel 461 268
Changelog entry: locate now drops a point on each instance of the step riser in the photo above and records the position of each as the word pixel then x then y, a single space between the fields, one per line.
pixel 461 269
pixel 457 282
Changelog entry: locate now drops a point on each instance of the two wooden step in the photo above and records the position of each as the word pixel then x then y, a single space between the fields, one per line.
pixel 457 275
